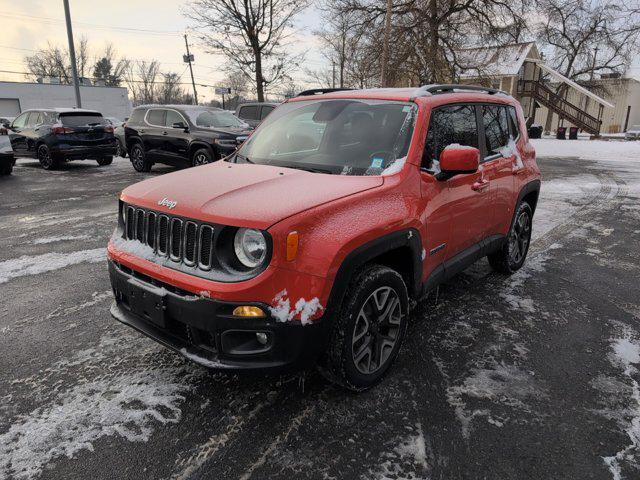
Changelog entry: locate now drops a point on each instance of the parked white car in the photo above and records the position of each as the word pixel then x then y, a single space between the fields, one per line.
pixel 633 133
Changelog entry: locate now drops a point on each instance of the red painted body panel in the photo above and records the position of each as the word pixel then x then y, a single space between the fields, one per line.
pixel 335 214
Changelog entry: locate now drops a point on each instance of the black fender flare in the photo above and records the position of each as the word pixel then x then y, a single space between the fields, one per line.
pixel 532 186
pixel 408 237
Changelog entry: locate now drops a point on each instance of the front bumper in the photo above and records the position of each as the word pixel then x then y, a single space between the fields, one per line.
pixel 205 331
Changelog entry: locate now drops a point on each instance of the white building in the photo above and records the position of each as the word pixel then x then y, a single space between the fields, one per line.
pixel 16 97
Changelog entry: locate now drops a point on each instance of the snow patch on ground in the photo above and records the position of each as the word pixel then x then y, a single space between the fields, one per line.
pixel 122 400
pixel 62 238
pixel 626 355
pixel 407 460
pixel 33 265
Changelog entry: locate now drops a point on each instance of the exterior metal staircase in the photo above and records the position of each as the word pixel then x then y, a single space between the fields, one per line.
pixel 558 104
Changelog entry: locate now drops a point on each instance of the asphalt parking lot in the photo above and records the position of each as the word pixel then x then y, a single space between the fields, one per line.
pixel 527 377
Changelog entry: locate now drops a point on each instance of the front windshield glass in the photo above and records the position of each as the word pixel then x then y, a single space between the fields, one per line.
pixel 215 119
pixel 347 137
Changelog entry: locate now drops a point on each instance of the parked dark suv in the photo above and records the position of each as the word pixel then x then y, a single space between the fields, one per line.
pixel 59 134
pixel 253 113
pixel 181 135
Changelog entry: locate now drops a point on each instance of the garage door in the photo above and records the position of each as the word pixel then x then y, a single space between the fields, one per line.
pixel 9 107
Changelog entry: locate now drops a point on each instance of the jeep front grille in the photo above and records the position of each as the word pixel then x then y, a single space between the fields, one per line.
pixel 183 241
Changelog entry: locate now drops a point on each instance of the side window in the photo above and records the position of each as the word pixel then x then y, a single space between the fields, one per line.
pixel 156 117
pixel 250 112
pixel 48 118
pixel 266 110
pixel 21 121
pixel 450 125
pixel 496 128
pixel 173 117
pixel 136 116
pixel 513 121
pixel 34 119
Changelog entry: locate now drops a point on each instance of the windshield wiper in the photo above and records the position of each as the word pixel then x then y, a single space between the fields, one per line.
pixel 246 159
pixel 309 169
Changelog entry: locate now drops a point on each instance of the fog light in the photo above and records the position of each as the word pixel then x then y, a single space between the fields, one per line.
pixel 262 338
pixel 248 311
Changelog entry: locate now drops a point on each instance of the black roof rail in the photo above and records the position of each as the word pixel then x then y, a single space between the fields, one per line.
pixel 320 91
pixel 452 87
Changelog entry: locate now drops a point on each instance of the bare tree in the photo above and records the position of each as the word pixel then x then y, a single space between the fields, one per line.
pixel 423 36
pixel 253 35
pixel 141 78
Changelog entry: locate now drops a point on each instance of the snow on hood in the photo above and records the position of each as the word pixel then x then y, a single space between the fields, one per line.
pixel 254 196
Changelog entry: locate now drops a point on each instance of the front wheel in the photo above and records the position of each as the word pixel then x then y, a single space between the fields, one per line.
pixel 369 329
pixel 513 253
pixel 46 159
pixel 6 170
pixel 105 161
pixel 201 156
pixel 139 159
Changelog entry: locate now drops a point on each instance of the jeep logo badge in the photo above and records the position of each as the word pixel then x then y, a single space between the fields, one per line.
pixel 165 202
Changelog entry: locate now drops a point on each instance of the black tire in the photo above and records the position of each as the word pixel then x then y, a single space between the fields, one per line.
pixel 46 159
pixel 105 161
pixel 513 253
pixel 120 150
pixel 139 159
pixel 362 330
pixel 6 170
pixel 202 156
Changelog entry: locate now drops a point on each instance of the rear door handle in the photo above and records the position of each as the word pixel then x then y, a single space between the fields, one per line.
pixel 165 133
pixel 480 185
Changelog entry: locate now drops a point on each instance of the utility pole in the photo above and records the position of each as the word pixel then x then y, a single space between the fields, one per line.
pixel 189 58
pixel 333 74
pixel 72 53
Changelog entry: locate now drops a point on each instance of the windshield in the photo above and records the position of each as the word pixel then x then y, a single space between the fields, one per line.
pixel 347 137
pixel 215 119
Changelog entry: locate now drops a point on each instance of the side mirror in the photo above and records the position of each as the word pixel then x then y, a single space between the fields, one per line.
pixel 179 125
pixel 456 159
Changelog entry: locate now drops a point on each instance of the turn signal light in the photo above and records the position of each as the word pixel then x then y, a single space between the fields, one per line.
pixel 292 246
pixel 248 311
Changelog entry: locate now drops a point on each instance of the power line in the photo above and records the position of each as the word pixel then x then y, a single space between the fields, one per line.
pixel 49 20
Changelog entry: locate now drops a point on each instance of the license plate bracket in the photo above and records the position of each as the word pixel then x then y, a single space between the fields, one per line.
pixel 148 303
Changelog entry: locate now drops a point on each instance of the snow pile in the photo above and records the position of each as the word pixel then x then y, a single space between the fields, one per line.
pixel 135 248
pixel 33 265
pixel 284 313
pixel 408 460
pixel 457 146
pixel 395 167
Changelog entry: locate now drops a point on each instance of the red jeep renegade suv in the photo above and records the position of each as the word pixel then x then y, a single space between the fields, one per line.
pixel 308 244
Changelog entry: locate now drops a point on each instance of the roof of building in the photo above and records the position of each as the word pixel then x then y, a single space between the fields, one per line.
pixel 496 61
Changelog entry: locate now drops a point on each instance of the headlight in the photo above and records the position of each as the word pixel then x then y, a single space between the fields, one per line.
pixel 226 142
pixel 250 247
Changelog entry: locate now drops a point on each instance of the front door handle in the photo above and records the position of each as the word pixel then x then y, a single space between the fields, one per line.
pixel 480 185
pixel 165 133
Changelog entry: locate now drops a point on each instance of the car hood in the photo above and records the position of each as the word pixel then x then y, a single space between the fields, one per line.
pixel 255 196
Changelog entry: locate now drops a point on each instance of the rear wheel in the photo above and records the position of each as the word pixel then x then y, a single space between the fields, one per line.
pixel 120 150
pixel 369 329
pixel 46 159
pixel 201 156
pixel 105 161
pixel 513 253
pixel 139 159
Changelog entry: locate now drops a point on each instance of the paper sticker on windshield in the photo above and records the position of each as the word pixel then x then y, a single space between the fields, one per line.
pixel 377 162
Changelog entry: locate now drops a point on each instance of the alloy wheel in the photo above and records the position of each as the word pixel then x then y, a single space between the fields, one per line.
pixel 137 157
pixel 519 238
pixel 44 156
pixel 201 159
pixel 376 330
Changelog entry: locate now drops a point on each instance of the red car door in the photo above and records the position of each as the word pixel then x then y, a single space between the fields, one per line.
pixel 467 205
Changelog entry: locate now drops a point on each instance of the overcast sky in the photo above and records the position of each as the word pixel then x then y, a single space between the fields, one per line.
pixel 139 29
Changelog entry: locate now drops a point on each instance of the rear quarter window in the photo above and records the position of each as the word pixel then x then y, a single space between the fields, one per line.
pixel 137 116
